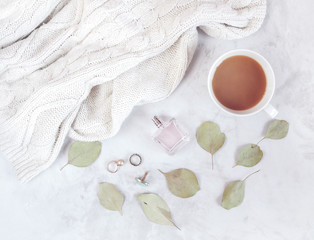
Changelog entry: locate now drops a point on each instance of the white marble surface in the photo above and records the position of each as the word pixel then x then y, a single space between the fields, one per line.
pixel 278 202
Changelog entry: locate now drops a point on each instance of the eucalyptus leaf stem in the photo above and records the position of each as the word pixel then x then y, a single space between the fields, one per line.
pixel 161 171
pixel 251 175
pixel 260 140
pixel 175 225
pixel 64 166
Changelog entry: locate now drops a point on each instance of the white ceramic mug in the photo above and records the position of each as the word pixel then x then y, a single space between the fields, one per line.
pixel 270 84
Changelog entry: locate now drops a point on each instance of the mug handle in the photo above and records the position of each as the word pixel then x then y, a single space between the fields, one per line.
pixel 271 111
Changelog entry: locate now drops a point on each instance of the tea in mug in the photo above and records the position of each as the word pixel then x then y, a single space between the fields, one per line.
pixel 239 83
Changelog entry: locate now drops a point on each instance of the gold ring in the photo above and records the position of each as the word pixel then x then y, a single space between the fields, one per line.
pixel 109 167
pixel 116 165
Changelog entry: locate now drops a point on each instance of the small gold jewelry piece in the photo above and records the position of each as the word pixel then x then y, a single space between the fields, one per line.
pixel 141 181
pixel 120 163
pixel 135 159
pixel 113 166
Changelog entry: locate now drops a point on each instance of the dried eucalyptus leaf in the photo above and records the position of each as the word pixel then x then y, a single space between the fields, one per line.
pixel 182 182
pixel 110 197
pixel 83 154
pixel 167 215
pixel 277 129
pixel 234 193
pixel 210 138
pixel 156 209
pixel 250 155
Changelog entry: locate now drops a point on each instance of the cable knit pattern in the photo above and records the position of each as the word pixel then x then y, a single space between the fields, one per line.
pixel 78 67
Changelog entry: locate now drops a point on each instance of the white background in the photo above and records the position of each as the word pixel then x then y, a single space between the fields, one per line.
pixel 278 202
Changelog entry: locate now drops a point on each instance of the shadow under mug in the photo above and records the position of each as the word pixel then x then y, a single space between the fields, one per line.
pixel 270 84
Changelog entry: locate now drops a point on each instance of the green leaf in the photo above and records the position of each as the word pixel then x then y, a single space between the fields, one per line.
pixel 249 156
pixel 277 129
pixel 234 193
pixel 156 209
pixel 110 197
pixel 182 182
pixel 210 138
pixel 83 154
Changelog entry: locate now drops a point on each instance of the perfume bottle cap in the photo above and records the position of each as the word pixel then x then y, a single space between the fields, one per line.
pixel 157 122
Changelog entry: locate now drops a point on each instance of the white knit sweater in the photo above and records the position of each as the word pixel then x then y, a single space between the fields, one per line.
pixel 78 67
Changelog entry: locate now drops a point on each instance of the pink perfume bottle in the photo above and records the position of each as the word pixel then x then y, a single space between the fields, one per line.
pixel 169 135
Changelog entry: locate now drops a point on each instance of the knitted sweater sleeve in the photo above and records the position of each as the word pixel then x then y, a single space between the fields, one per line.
pixel 81 67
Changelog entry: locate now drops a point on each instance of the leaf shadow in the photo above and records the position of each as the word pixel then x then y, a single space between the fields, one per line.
pixel 219 199
pixel 66 145
pixel 63 151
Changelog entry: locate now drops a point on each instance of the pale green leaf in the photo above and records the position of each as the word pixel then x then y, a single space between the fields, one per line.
pixel 155 209
pixel 110 197
pixel 210 138
pixel 277 129
pixel 83 154
pixel 250 155
pixel 182 182
pixel 233 195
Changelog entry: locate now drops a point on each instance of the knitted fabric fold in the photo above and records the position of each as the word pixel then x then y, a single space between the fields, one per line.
pixel 78 67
